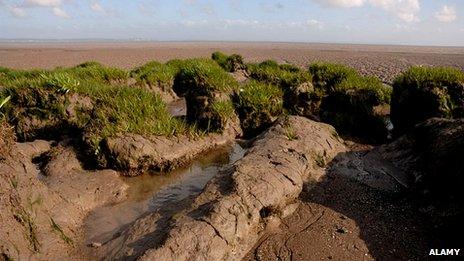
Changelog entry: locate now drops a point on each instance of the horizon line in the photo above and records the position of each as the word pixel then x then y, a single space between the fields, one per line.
pixel 141 40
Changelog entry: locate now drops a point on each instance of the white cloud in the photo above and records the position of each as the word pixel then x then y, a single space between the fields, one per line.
pixel 446 14
pixel 60 12
pixel 255 24
pixel 54 5
pixel 405 10
pixel 49 3
pixel 17 11
pixel 340 3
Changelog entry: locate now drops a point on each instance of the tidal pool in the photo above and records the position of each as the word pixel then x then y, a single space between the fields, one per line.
pixel 151 191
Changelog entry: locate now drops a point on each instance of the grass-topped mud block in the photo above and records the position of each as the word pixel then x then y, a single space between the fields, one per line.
pixel 230 63
pixel 299 96
pixel 46 112
pixel 157 77
pixel 328 75
pixel 350 101
pixel 353 111
pixel 258 105
pixel 207 89
pixel 425 92
pixel 85 104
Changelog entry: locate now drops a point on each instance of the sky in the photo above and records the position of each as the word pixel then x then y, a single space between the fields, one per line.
pixel 413 22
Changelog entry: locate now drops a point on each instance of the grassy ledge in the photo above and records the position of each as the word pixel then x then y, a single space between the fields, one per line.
pixel 258 104
pixel 424 92
pixel 88 100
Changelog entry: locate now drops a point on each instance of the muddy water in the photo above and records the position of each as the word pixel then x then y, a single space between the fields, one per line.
pixel 150 192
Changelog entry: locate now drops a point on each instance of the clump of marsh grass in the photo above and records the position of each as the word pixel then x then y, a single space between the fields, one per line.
pixel 229 63
pixel 224 108
pixel 328 75
pixel 62 82
pixel 258 104
pixel 156 74
pixel 44 95
pixel 285 76
pixel 206 88
pixel 203 75
pixel 423 92
pixel 349 100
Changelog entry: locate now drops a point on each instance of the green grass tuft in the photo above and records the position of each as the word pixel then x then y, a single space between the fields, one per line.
pixel 62 82
pixel 371 87
pixel 203 75
pixel 328 75
pixel 156 74
pixel 230 63
pixel 257 105
pixel 424 92
pixel 224 108
pixel 117 108
pixel 285 76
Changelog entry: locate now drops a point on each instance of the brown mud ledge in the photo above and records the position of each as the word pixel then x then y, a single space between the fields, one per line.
pixel 134 154
pixel 43 206
pixel 225 220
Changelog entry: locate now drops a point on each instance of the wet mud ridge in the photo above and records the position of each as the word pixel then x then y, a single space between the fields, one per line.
pixel 296 181
pixel 227 217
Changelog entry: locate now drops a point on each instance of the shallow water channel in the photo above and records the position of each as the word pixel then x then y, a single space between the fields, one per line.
pixel 150 192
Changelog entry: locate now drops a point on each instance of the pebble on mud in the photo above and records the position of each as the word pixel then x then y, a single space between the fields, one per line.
pixel 95 244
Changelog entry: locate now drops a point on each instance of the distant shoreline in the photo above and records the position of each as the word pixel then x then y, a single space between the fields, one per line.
pixel 129 41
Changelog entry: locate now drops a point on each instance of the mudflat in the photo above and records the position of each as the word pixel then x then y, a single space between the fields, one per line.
pixel 383 61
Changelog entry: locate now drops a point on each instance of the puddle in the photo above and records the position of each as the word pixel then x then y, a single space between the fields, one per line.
pixel 149 192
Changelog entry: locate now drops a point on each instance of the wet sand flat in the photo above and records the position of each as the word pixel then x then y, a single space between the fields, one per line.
pixel 383 61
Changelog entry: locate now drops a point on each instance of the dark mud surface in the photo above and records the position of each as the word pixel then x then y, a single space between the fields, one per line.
pixel 343 219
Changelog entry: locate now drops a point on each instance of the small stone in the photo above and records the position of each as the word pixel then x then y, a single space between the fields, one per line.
pixel 95 244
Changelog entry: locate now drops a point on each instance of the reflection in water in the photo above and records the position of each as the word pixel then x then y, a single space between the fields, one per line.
pixel 146 193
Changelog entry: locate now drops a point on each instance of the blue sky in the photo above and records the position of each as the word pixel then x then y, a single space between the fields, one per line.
pixel 423 22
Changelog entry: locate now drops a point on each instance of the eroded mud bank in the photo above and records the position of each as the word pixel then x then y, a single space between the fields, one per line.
pixel 224 221
pixel 47 194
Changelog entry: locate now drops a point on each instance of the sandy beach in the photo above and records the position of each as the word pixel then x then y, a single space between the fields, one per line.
pixel 383 61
